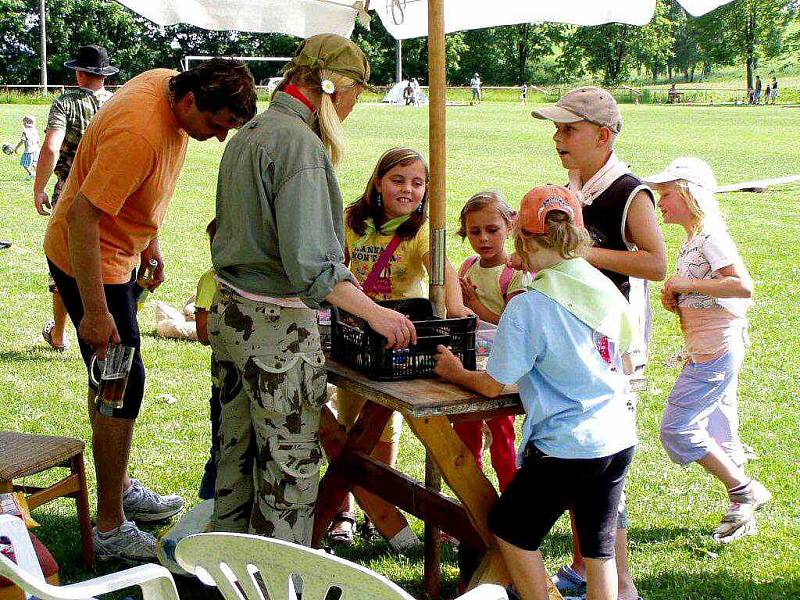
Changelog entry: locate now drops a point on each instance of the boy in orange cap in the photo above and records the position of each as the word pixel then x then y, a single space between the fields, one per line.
pixel 561 343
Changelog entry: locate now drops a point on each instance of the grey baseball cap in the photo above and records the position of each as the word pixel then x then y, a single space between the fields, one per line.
pixel 592 104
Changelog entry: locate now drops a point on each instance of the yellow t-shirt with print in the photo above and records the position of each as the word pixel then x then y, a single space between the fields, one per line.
pixel 405 274
pixel 487 285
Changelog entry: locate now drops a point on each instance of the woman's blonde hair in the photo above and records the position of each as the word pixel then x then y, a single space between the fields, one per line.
pixel 481 200
pixel 328 124
pixel 563 236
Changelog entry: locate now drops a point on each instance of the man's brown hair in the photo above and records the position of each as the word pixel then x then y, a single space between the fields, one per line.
pixel 217 84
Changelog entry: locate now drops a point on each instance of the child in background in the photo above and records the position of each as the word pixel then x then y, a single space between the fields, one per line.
pixel 711 294
pixel 30 141
pixel 561 344
pixel 207 287
pixel 487 284
pixel 388 250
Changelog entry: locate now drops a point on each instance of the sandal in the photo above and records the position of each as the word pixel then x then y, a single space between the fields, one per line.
pixel 342 536
pixel 47 334
pixel 369 532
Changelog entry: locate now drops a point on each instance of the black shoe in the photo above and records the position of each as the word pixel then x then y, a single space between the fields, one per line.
pixel 4 244
pixel 369 532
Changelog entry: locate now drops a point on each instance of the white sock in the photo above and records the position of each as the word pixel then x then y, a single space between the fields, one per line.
pixel 405 539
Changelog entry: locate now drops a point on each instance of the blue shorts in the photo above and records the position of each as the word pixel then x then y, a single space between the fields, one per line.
pixel 702 410
pixel 28 159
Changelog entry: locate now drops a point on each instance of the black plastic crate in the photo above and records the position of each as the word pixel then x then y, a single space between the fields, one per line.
pixel 354 343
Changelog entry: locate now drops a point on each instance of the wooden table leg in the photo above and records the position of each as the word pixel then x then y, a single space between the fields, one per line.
pixel 476 493
pixel 333 438
pixel 433 542
pixel 336 484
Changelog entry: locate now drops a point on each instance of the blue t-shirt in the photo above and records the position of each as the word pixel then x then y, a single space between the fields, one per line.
pixel 570 380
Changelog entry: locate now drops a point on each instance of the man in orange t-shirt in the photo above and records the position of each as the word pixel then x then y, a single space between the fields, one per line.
pixel 105 223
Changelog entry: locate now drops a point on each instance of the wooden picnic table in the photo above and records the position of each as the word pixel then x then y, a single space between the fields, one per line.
pixel 429 406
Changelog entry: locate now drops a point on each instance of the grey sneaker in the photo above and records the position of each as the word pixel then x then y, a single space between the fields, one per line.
pixel 127 544
pixel 143 505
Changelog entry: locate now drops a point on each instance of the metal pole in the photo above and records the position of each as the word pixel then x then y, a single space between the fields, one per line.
pixel 43 44
pixel 437 126
pixel 398 59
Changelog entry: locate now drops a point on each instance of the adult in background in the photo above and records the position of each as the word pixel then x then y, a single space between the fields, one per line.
pixel 278 253
pixel 69 117
pixel 628 246
pixel 475 86
pixel 106 222
pixel 757 91
pixel 774 90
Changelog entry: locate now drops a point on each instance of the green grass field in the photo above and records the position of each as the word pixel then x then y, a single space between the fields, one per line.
pixel 491 146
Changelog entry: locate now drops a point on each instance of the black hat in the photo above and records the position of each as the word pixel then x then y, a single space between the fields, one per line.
pixel 92 59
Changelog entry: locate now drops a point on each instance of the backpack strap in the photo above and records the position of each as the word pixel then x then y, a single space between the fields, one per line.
pixel 380 265
pixel 467 265
pixel 505 281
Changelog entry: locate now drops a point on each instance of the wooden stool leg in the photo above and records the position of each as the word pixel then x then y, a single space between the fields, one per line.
pixel 82 502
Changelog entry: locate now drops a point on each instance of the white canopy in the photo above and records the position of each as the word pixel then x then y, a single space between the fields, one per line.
pixel 409 18
pixel 302 18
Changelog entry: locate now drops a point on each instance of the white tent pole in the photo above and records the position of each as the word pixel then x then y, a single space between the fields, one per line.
pixel 398 59
pixel 43 45
pixel 437 127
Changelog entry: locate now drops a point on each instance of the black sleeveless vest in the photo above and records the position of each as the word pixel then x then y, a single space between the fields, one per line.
pixel 603 219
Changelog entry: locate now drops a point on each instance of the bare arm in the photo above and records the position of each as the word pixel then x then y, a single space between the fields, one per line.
pixel 650 260
pixel 453 300
pixel 392 325
pixel 735 282
pixel 201 323
pixel 97 327
pixel 48 157
pixel 472 302
pixel 450 368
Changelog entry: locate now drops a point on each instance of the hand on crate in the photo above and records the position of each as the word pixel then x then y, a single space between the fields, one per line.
pixel 395 327
pixel 447 363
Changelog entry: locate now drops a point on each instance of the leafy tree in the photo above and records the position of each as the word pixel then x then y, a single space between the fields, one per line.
pixel 611 50
pixel 745 31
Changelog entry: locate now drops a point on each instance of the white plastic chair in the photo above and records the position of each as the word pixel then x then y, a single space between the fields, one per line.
pixel 156 581
pixel 250 567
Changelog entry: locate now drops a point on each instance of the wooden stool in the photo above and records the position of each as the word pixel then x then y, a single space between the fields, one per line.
pixel 22 454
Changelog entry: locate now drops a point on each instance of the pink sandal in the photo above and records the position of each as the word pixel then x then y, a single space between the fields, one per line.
pixel 47 334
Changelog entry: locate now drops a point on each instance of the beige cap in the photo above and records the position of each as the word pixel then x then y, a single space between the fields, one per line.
pixel 334 53
pixel 592 104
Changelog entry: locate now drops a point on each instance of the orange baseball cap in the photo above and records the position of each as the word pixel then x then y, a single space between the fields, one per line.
pixel 541 200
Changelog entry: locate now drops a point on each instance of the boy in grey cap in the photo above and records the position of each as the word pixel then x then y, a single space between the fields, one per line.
pixel 619 213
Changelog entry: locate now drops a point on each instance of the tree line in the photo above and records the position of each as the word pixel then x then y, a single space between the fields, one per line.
pixel 672 46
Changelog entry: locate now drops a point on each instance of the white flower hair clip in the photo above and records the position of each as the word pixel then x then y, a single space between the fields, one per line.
pixel 327 86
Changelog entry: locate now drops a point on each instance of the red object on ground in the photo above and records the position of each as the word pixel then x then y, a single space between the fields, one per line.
pixel 46 560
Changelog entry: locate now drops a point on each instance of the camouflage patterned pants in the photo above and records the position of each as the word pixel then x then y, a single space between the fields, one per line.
pixel 272 385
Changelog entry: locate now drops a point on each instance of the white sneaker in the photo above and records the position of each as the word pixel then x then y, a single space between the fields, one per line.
pixel 126 544
pixel 738 522
pixel 144 505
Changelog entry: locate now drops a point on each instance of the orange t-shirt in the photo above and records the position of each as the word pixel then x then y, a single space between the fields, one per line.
pixel 126 165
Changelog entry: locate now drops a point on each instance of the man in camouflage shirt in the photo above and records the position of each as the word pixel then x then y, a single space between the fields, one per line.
pixel 69 117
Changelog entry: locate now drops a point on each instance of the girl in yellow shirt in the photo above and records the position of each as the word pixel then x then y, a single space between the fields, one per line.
pixel 387 227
